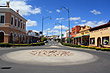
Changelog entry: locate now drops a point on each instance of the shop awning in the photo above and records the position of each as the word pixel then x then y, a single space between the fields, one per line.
pixel 86 35
pixel 81 36
pixel 77 36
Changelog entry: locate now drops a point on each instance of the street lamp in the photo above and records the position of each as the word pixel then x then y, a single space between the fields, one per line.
pixel 61 29
pixel 68 20
pixel 43 22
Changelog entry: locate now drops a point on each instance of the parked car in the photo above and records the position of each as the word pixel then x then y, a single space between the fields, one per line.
pixel 83 44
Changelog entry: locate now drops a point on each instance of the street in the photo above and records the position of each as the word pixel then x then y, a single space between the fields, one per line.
pixel 101 65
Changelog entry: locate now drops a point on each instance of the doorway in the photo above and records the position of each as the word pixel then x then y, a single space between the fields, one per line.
pixel 98 41
pixel 1 37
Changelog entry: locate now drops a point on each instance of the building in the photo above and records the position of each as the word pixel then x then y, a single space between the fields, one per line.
pixel 100 35
pixel 75 31
pixel 12 25
pixel 67 35
pixel 32 36
pixel 54 37
pixel 83 36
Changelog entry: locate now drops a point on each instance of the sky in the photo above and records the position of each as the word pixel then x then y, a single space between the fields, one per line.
pixel 82 12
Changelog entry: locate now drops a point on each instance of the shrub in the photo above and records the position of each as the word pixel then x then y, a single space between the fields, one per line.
pixel 82 46
pixel 105 49
pixel 92 47
pixel 21 44
pixel 77 45
pixel 5 45
pixel 98 48
pixel 42 43
pixel 58 39
pixel 44 39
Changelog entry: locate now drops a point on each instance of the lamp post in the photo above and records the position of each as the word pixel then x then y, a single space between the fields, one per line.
pixel 61 29
pixel 68 20
pixel 43 22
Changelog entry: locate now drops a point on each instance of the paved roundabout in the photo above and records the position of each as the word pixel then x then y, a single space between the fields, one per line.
pixel 49 57
pixel 53 59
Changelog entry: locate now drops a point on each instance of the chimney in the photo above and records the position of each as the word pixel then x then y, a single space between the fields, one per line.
pixel 7 4
pixel 17 11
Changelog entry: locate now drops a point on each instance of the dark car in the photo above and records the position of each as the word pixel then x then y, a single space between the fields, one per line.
pixel 83 44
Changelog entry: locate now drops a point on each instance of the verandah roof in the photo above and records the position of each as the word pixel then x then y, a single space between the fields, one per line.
pixel 81 36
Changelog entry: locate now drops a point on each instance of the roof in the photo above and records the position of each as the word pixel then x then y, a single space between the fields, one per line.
pixel 101 26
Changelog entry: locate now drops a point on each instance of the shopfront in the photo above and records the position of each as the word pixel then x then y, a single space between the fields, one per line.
pixel 100 36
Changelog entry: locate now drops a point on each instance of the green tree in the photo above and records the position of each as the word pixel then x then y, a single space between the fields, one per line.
pixel 44 39
pixel 58 39
pixel 71 40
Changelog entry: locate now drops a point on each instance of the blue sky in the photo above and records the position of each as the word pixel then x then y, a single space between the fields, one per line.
pixel 82 12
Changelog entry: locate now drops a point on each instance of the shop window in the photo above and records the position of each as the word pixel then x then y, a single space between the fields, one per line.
pixel 105 40
pixel 92 40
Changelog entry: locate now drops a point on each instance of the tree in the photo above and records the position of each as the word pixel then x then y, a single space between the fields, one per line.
pixel 44 39
pixel 71 40
pixel 58 39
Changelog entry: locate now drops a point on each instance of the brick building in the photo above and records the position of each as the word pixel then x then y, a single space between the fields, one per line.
pixel 75 31
pixel 12 25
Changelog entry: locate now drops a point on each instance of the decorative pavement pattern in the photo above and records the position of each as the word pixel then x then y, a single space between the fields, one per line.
pixel 50 53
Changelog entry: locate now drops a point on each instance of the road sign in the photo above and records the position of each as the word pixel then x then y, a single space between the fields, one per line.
pixel 62 34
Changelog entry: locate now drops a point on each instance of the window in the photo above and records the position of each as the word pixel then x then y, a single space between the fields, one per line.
pixel 19 23
pixel 2 17
pixel 105 40
pixel 92 40
pixel 12 20
pixel 24 26
pixel 73 33
pixel 16 22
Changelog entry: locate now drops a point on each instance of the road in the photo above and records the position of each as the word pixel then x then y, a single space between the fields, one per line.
pixel 102 65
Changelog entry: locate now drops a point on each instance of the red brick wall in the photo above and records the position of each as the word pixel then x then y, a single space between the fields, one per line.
pixel 76 29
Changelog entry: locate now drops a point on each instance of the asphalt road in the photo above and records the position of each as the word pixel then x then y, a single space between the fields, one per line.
pixel 102 65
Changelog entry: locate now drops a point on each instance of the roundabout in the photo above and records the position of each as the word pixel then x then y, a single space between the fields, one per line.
pixel 53 59
pixel 49 57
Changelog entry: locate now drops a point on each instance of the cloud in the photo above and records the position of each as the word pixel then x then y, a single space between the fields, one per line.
pixel 50 11
pixel 95 12
pixel 22 6
pixel 57 10
pixel 31 23
pixel 83 20
pixel 94 23
pixel 3 2
pixel 35 31
pixel 74 18
pixel 59 18
pixel 76 22
pixel 59 27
